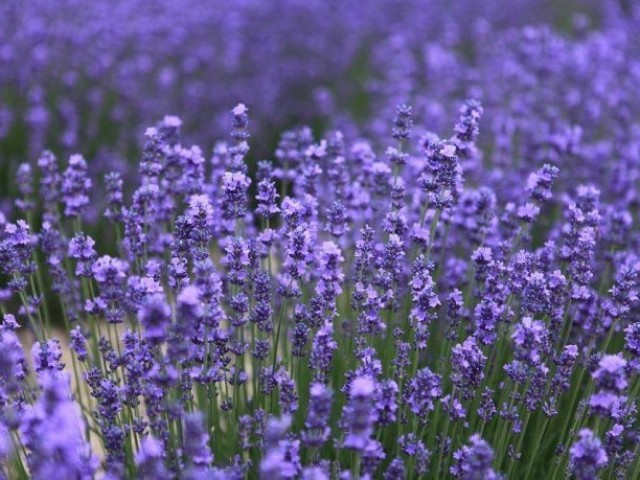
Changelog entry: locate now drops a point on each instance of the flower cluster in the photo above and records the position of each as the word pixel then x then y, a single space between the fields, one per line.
pixel 377 301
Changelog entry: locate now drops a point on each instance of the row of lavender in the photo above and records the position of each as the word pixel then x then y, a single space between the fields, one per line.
pixel 373 315
pixel 85 76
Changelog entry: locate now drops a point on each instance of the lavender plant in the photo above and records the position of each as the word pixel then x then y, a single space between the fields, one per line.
pixel 396 292
pixel 357 315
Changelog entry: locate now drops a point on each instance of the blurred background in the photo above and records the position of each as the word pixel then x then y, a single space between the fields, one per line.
pixel 89 77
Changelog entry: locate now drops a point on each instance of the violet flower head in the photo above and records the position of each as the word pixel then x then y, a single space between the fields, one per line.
pixel 468 362
pixel 611 382
pixel 267 198
pixel 403 123
pixel 424 390
pixel 52 431
pixel 359 416
pixel 317 431
pixel 473 461
pixel 76 185
pixel 587 456
pixel 322 350
pixel 150 460
pixel 234 190
pixel 81 249
pixel 530 338
pixel 196 441
pixel 539 183
pixel 154 315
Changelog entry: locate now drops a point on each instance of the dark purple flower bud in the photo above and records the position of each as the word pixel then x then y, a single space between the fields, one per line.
pixel 467 127
pixel 486 316
pixel 78 343
pixel 299 339
pixel 49 180
pixel 113 184
pixel 336 219
pixel 539 183
pixel 386 401
pixel 16 248
pixel 76 185
pixel 402 123
pixel 288 393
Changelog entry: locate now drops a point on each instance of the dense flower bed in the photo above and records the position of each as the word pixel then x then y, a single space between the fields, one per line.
pixel 445 286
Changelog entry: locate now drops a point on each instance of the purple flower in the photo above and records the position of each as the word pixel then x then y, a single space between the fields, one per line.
pixel 149 459
pixel 234 190
pixel 46 356
pixel 587 455
pixel 322 351
pixel 196 441
pixel 467 362
pixel 81 249
pixel 154 315
pixel 200 218
pixel 76 185
pixel 267 199
pixel 317 428
pixel 402 123
pixel 611 381
pixel 16 248
pixel 539 183
pixel 359 416
pixel 530 338
pixel 423 390
pixel 78 343
pixel 330 259
pixel 52 431
pixel 282 456
pixel 473 461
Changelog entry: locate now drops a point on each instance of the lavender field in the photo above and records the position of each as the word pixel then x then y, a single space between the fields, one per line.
pixel 318 240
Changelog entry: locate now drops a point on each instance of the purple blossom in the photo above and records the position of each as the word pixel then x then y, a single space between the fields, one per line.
pixel 76 185
pixel 587 455
pixel 474 461
pixel 154 315
pixel 359 415
pixel 423 391
pixel 322 350
pixel 316 424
